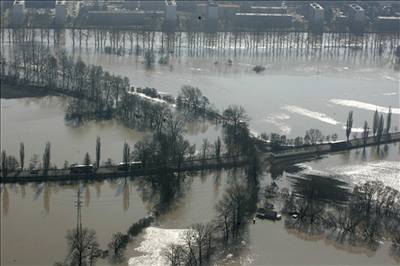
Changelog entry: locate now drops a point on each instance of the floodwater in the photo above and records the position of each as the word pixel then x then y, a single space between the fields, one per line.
pixel 292 95
pixel 35 121
pixel 289 97
pixel 272 244
pixel 300 88
pixel 36 217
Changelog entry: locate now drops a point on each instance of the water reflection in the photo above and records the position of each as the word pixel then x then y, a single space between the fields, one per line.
pixel 322 207
pixel 321 189
pixel 159 192
pixel 5 200
pixel 169 46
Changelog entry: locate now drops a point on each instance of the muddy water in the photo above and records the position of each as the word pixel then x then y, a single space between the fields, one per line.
pixel 35 121
pixel 36 217
pixel 291 95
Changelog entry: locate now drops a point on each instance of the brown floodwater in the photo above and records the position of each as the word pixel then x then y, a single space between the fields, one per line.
pixel 292 95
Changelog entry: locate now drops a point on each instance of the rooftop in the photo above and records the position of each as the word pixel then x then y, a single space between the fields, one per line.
pixel 356 7
pixel 316 6
pixel 263 15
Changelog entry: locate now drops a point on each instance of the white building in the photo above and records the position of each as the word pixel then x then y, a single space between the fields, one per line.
pixel 357 17
pixel 212 10
pixel 60 13
pixel 316 13
pixel 170 10
pixel 18 12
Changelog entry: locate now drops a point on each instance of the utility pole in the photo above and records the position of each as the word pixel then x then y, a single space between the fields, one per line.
pixel 78 205
pixel 79 239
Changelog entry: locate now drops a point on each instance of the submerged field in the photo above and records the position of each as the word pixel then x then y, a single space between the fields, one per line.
pixel 293 94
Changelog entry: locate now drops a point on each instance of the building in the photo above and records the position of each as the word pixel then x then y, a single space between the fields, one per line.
pixel 260 21
pixel 131 5
pixel 387 24
pixel 212 10
pixel 116 18
pixel 357 18
pixel 147 5
pixel 39 4
pixel 340 22
pixel 269 9
pixel 18 12
pixel 211 24
pixel 316 17
pixel 170 10
pixel 60 13
pixel 316 13
pixel 227 11
pixel 5 4
pixel 186 6
pixel 170 16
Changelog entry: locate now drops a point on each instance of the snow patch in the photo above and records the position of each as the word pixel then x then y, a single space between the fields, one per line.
pixel 386 171
pixel 312 114
pixel 147 97
pixel 155 241
pixel 364 105
pixel 389 93
pixel 277 120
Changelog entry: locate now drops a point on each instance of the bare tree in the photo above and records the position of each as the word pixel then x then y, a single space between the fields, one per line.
pixel 126 153
pixel 204 149
pixel 375 122
pixel 388 120
pixel 379 131
pixel 235 114
pixel 4 166
pixel 98 151
pixel 86 159
pixel 175 254
pixel 365 133
pixel 349 125
pixel 117 247
pixel 313 136
pixel 21 155
pixel 46 158
pixel 202 237
pixel 83 247
pixel 218 148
